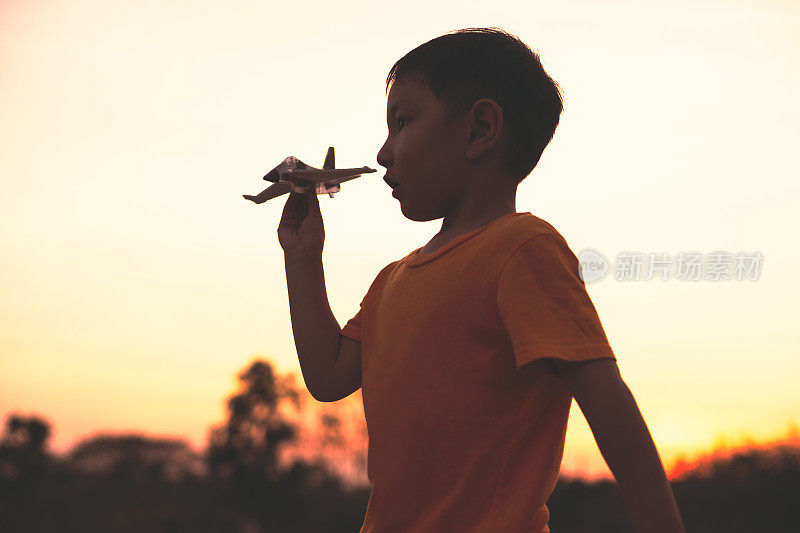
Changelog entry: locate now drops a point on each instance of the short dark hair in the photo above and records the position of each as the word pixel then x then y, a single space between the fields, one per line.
pixel 463 66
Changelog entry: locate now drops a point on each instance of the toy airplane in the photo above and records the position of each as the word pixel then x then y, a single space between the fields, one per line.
pixel 294 175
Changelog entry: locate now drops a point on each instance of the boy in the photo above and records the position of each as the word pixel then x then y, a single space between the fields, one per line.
pixel 470 349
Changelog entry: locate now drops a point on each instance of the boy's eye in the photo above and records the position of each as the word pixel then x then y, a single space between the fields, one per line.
pixel 401 120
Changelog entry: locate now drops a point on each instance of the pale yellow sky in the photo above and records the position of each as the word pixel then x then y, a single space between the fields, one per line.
pixel 136 281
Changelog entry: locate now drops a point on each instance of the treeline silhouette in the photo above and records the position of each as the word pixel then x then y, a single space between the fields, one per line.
pixel 134 483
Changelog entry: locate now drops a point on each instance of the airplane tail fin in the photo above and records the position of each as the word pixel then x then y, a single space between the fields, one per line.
pixel 330 162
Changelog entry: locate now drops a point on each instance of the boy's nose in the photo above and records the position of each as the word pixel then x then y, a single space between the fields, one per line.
pixel 384 156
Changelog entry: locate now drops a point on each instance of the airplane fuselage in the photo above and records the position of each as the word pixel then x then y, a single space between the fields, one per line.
pixel 294 175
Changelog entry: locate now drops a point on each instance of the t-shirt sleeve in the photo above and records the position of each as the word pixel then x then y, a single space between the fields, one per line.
pixel 353 327
pixel 544 307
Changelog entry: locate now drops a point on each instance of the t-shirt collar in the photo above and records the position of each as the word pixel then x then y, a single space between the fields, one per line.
pixel 415 259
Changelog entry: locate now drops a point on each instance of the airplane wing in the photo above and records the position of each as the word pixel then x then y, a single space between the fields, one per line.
pixel 337 175
pixel 348 179
pixel 273 191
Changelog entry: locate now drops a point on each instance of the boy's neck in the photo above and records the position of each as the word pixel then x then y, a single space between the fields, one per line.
pixel 482 199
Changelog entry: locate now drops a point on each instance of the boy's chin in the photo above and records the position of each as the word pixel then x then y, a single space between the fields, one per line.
pixel 417 215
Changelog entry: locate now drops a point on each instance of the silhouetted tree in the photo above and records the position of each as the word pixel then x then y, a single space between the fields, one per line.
pixel 136 457
pixel 23 448
pixel 751 490
pixel 243 457
pixel 25 467
pixel 244 450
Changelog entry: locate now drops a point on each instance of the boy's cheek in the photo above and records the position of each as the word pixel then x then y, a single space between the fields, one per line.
pixel 398 147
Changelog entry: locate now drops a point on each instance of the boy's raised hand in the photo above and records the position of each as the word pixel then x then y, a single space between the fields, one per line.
pixel 301 232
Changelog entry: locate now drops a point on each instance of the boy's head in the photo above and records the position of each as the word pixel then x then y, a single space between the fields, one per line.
pixel 477 98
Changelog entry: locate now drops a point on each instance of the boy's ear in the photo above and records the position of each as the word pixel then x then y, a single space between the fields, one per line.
pixel 485 126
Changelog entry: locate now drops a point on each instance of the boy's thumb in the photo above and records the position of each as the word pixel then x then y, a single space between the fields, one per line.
pixel 313 202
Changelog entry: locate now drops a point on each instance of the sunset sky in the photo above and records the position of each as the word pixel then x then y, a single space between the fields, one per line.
pixel 135 281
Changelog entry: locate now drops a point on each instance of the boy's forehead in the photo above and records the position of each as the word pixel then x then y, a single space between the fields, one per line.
pixel 406 93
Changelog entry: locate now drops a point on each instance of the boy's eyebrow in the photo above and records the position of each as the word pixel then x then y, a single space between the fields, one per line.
pixel 391 110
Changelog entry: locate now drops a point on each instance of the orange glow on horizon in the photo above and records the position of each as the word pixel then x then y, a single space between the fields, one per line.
pixel 342 445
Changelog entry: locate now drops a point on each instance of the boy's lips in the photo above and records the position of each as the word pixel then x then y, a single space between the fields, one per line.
pixel 394 185
pixel 390 183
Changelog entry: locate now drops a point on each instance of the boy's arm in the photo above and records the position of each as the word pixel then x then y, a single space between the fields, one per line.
pixel 331 365
pixel 625 442
pixel 317 335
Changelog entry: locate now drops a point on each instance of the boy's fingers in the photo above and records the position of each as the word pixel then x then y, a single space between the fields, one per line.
pixel 295 209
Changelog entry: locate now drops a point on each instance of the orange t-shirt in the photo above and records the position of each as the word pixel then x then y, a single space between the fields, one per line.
pixel 461 437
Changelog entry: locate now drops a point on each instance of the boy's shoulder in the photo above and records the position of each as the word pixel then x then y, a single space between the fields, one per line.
pixel 528 236
pixel 522 227
pixel 528 223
